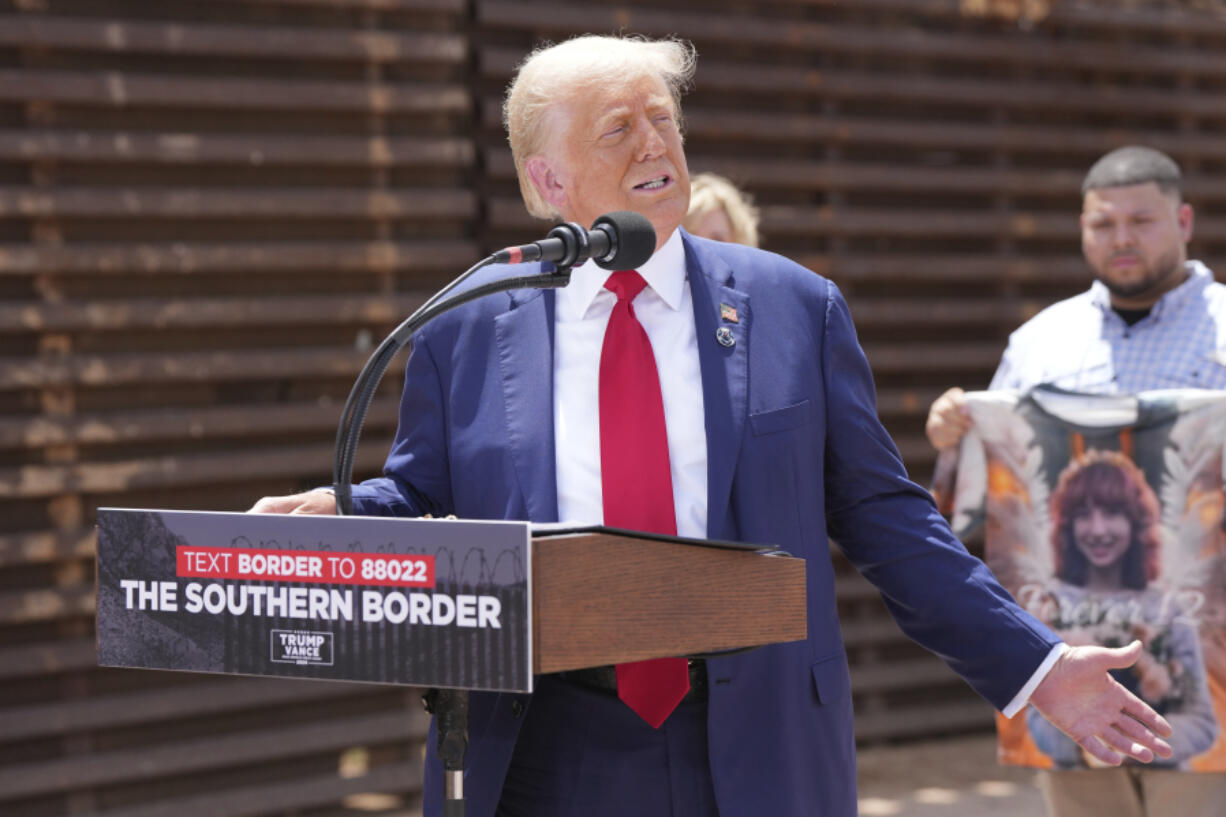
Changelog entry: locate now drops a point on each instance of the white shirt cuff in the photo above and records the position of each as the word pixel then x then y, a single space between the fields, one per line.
pixel 1023 695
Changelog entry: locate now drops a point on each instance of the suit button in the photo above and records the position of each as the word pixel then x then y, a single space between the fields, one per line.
pixel 517 708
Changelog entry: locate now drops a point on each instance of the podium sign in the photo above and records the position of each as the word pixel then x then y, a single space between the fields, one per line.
pixel 440 603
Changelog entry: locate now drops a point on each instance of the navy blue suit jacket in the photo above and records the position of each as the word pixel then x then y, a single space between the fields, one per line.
pixel 796 454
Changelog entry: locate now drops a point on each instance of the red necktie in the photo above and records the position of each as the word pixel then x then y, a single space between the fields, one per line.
pixel 635 477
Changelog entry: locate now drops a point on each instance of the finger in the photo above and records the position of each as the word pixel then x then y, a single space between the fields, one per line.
pixel 947 430
pixel 268 504
pixel 1134 730
pixel 946 405
pixel 1123 657
pixel 1123 744
pixel 961 421
pixel 1156 745
pixel 1134 707
pixel 277 504
pixel 941 438
pixel 1101 751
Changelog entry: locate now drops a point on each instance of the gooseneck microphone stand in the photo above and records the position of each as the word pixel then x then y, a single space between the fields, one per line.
pixel 449 706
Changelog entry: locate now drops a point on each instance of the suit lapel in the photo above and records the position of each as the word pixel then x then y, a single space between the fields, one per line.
pixel 725 382
pixel 525 356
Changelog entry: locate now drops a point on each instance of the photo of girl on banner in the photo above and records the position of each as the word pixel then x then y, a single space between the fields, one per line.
pixel 1106 541
pixel 1103 516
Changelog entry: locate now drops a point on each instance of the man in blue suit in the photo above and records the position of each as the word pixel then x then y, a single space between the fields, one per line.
pixel 772 437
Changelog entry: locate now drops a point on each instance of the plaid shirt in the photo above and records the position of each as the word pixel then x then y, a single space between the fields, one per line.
pixel 1082 345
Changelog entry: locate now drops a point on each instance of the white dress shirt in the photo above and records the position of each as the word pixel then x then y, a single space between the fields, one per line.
pixel 666 311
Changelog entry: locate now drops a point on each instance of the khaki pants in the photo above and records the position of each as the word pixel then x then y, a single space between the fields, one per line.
pixel 1133 791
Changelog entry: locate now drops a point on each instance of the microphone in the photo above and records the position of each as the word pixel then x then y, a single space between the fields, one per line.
pixel 619 240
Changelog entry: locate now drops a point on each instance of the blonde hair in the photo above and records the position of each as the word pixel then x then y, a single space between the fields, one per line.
pixel 710 192
pixel 550 74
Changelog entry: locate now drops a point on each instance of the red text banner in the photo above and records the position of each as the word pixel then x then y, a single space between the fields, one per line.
pixel 250 564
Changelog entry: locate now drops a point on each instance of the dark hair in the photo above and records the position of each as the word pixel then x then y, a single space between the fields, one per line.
pixel 1134 164
pixel 1106 480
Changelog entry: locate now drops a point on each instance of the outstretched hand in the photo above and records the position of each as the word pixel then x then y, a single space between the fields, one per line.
pixel 1104 718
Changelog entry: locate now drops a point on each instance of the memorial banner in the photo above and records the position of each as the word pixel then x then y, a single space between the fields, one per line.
pixel 1103 516
pixel 441 603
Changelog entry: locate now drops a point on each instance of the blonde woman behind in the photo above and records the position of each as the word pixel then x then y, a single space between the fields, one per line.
pixel 720 211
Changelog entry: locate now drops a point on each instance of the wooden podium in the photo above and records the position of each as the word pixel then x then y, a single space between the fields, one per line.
pixel 607 597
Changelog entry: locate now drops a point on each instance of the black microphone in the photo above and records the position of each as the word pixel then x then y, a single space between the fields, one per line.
pixel 620 240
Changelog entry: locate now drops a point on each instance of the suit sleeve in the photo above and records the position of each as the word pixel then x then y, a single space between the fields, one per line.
pixel 416 476
pixel 890 529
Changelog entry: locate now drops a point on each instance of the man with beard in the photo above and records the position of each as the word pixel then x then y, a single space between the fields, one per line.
pixel 1152 319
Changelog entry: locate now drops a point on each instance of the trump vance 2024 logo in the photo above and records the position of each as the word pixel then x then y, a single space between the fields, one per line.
pixel 301 647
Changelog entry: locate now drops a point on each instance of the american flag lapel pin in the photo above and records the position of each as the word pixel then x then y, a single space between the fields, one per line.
pixel 728 313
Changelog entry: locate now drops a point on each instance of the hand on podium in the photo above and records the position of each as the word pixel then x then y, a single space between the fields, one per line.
pixel 318 501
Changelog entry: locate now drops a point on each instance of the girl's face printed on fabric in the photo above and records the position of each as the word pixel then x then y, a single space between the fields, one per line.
pixel 1101 534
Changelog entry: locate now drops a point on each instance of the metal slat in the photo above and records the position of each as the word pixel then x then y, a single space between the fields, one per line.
pixel 32 660
pixel 40 547
pixel 165 425
pixel 116 89
pixel 281 797
pixel 205 313
pixel 195 203
pixel 1099 15
pixel 199 756
pixel 47 604
pixel 182 701
pixel 202 39
pixel 448 6
pixel 316 257
pixel 146 367
pixel 257 150
pixel 35 481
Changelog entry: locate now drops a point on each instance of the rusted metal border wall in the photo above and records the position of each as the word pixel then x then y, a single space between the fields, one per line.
pixel 209 210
